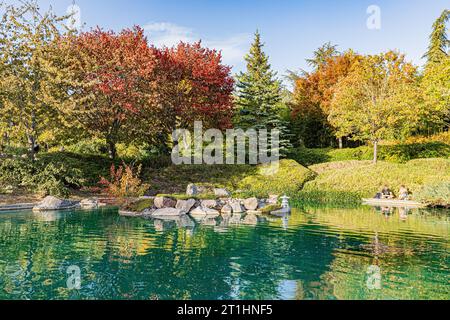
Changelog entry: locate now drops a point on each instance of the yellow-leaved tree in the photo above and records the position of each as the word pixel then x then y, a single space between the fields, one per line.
pixel 377 100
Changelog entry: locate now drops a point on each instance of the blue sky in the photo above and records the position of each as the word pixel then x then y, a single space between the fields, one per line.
pixel 291 29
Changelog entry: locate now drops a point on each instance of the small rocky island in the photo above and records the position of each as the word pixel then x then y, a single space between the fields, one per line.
pixel 203 203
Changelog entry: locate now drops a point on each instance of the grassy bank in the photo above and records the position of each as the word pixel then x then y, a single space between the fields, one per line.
pixel 349 181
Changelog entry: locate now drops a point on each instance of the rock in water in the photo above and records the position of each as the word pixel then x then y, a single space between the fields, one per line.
pixel 53 204
pixel 250 219
pixel 251 204
pixel 168 212
pixel 89 203
pixel 237 207
pixel 185 205
pixel 209 204
pixel 185 222
pixel 227 209
pixel 163 202
pixel 201 212
pixel 222 193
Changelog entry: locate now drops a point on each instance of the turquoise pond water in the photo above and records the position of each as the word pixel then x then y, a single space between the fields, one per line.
pixel 312 254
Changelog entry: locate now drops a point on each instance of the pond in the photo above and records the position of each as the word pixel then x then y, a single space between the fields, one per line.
pixel 315 253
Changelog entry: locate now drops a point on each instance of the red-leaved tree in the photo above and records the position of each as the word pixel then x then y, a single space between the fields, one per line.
pixel 203 86
pixel 116 86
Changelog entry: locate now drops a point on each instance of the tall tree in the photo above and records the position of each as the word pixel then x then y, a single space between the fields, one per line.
pixel 322 54
pixel 313 93
pixel 377 100
pixel 28 40
pixel 259 95
pixel 436 80
pixel 203 86
pixel 114 92
pixel 439 42
pixel 435 86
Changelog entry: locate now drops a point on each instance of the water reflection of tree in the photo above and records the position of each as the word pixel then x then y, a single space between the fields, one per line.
pixel 127 259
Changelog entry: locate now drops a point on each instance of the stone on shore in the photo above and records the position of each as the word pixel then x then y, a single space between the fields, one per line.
pixel 91 203
pixel 237 207
pixel 193 190
pixel 251 204
pixel 227 210
pixel 168 212
pixel 164 202
pixel 54 204
pixel 222 193
pixel 273 199
pixel 201 212
pixel 185 205
pixel 124 213
pixel 211 204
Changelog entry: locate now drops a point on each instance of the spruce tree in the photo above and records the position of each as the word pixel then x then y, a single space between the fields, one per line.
pixel 259 96
pixel 439 42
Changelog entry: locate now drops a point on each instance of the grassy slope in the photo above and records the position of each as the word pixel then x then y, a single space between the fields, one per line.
pixel 241 179
pixel 355 179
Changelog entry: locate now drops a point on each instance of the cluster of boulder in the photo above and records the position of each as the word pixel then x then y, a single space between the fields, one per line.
pixel 166 206
pixel 223 205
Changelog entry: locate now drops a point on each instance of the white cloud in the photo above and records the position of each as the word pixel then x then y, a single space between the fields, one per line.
pixel 169 34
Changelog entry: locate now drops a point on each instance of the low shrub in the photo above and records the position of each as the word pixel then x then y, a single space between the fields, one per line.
pixel 40 177
pixel 87 147
pixel 124 182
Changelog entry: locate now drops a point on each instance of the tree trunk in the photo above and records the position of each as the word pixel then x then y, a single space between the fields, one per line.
pixel 112 149
pixel 341 143
pixel 111 139
pixel 375 152
pixel 32 138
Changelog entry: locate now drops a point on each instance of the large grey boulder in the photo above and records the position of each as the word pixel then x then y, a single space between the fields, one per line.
pixel 168 212
pixel 237 207
pixel 227 210
pixel 164 202
pixel 193 190
pixel 185 205
pixel 125 213
pixel 251 204
pixel 88 204
pixel 201 212
pixel 235 218
pixel 54 204
pixel 222 193
pixel 209 204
